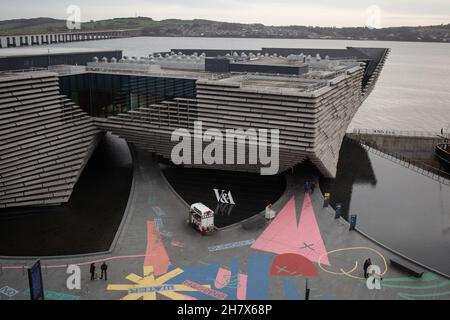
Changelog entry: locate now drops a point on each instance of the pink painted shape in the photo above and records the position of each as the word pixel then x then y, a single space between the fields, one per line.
pixel 309 233
pixel 281 235
pixel 223 279
pixel 156 254
pixel 284 235
pixel 242 290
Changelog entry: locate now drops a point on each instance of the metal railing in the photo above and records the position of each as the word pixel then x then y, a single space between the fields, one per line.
pixel 8 72
pixel 402 133
pixel 416 165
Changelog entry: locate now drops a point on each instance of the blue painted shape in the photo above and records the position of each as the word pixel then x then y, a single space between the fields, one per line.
pixel 151 289
pixel 290 291
pixel 159 223
pixel 258 277
pixel 204 275
pixel 8 291
pixel 52 295
pixel 231 245
pixel 159 212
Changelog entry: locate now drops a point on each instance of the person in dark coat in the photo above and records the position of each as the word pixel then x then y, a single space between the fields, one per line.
pixel 306 186
pixel 92 271
pixel 367 264
pixel 104 268
pixel 313 186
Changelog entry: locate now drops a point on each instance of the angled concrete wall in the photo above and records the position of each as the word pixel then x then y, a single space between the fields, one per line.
pixel 45 141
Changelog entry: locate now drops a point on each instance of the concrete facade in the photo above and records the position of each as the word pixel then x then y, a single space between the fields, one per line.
pixel 46 141
pixel 312 115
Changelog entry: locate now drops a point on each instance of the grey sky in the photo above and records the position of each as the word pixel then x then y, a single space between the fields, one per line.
pixel 270 12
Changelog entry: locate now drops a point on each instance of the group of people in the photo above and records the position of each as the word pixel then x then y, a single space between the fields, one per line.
pixel 309 187
pixel 103 268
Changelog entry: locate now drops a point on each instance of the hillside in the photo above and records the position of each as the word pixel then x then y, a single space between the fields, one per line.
pixel 207 28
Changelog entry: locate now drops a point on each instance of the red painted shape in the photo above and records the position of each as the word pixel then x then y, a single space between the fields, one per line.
pixel 156 254
pixel 291 264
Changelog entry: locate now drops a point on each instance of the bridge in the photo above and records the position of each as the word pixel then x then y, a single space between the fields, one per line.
pixel 25 40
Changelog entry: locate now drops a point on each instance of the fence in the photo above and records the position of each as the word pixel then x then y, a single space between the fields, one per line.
pixel 402 133
pixel 418 166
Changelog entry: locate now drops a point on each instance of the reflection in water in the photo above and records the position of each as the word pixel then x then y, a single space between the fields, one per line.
pixel 250 192
pixel 88 223
pixel 354 168
pixel 401 208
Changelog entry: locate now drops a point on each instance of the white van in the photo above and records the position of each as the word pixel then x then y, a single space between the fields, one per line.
pixel 201 218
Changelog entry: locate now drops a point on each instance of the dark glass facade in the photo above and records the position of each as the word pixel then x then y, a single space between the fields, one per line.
pixel 103 95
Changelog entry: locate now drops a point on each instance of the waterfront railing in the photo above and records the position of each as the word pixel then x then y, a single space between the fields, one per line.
pixel 402 133
pixel 416 165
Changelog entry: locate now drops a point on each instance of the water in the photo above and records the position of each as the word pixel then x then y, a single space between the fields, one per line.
pixel 88 223
pixel 413 92
pixel 401 208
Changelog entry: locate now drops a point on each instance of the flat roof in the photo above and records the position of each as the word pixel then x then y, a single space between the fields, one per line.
pixel 271 61
pixel 40 51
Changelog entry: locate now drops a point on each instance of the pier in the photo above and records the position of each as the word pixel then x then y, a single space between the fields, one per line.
pixel 26 40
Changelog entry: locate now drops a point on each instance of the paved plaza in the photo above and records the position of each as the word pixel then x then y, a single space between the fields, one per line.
pixel 156 255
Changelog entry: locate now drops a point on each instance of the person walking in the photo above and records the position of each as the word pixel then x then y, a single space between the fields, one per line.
pixel 92 271
pixel 104 268
pixel 313 186
pixel 306 186
pixel 367 264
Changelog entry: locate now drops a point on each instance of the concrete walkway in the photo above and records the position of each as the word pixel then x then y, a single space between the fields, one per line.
pixel 224 263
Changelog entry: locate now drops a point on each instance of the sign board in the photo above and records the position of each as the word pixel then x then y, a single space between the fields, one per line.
pixel 326 200
pixel 35 281
pixel 353 219
pixel 338 211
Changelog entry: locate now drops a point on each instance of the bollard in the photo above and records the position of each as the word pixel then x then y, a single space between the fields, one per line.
pixel 353 219
pixel 326 200
pixel 338 211
pixel 307 290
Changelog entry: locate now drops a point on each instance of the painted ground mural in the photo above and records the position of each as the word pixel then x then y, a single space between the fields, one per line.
pixel 289 249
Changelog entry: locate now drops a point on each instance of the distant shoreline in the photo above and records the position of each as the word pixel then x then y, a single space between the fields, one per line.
pixel 285 38
pixel 226 37
pixel 198 28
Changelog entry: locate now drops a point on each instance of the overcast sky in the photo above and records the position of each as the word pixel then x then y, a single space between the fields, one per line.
pixel 270 12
